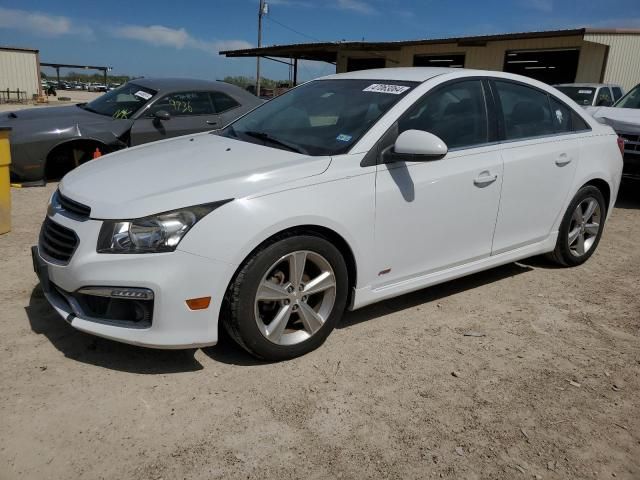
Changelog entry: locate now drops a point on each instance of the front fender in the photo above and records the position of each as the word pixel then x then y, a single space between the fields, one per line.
pixel 232 232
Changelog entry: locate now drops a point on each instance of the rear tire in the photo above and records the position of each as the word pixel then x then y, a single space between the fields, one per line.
pixel 287 297
pixel 581 228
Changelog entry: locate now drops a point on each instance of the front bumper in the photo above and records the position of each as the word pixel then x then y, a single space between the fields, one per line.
pixel 172 277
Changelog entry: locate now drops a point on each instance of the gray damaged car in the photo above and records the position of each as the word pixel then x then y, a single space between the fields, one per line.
pixel 48 142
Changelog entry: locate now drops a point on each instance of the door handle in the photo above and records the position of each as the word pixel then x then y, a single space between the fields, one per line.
pixel 563 160
pixel 211 122
pixel 485 179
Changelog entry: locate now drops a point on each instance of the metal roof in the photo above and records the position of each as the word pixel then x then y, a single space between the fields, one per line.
pixel 18 49
pixel 327 51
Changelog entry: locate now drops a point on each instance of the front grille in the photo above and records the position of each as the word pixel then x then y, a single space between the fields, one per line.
pixel 57 242
pixel 631 143
pixel 74 208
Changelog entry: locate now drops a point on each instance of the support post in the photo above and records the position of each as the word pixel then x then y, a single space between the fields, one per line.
pixel 58 75
pixel 295 72
pixel 105 77
pixel 260 15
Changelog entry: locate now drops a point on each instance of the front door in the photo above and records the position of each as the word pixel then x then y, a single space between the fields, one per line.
pixel 190 112
pixel 435 215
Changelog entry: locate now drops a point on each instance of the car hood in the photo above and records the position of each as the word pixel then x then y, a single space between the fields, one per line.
pixel 49 112
pixel 59 122
pixel 623 120
pixel 182 172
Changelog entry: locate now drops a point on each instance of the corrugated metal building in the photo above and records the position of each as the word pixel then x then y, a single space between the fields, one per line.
pixel 559 56
pixel 19 70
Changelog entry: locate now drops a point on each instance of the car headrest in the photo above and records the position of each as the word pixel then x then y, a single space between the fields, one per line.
pixel 527 112
pixel 461 107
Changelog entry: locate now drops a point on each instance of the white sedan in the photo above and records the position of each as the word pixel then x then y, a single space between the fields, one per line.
pixel 345 191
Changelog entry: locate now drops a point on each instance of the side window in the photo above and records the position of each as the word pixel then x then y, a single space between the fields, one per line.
pixel 561 116
pixel 565 119
pixel 456 113
pixel 604 98
pixel 525 110
pixel 617 93
pixel 222 102
pixel 184 104
pixel 577 123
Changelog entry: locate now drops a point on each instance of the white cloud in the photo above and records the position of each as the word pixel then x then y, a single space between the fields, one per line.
pixel 540 5
pixel 178 38
pixel 157 35
pixel 40 23
pixel 356 6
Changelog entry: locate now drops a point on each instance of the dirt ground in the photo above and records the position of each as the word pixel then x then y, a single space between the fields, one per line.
pixel 74 96
pixel 550 391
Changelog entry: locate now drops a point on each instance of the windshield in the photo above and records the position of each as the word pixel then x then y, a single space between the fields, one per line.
pixel 631 99
pixel 323 117
pixel 580 95
pixel 122 102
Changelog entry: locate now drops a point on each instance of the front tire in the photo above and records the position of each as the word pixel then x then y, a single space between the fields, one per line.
pixel 581 228
pixel 287 297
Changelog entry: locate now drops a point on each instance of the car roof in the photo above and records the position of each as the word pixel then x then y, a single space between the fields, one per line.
pixel 409 74
pixel 163 85
pixel 586 85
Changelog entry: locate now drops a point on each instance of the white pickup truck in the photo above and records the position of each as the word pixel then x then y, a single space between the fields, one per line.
pixel 592 94
pixel 624 117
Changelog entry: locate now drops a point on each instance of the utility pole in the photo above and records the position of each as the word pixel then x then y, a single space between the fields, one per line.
pixel 264 9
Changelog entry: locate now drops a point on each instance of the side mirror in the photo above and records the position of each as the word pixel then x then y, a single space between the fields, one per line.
pixel 416 146
pixel 162 115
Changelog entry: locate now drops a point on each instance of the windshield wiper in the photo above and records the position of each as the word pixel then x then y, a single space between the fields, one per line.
pixel 268 138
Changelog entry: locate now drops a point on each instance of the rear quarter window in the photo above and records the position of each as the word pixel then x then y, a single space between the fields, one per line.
pixel 565 119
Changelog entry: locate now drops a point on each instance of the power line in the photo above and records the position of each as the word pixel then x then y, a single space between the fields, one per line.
pixel 292 29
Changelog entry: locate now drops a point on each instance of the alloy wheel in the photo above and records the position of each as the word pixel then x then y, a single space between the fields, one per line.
pixel 295 297
pixel 584 226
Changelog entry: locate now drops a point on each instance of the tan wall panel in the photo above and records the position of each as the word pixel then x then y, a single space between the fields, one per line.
pixel 491 57
pixel 623 63
pixel 591 62
pixel 19 70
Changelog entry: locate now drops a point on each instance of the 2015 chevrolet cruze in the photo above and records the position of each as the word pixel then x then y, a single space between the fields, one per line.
pixel 344 191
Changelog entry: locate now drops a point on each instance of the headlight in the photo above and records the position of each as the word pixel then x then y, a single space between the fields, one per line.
pixel 157 233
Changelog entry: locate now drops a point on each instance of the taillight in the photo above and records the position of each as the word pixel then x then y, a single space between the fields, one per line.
pixel 621 145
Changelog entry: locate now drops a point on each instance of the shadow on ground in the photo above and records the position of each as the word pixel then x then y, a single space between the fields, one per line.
pixel 629 195
pixel 102 352
pixel 117 356
pixel 432 294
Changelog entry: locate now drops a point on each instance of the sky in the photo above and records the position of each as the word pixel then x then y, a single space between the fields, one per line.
pixel 155 38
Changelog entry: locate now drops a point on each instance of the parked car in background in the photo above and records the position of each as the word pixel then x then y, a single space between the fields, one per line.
pixel 592 94
pixel 624 117
pixel 97 87
pixel 342 192
pixel 48 142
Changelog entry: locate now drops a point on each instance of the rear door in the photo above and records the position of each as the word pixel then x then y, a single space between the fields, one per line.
pixel 540 156
pixel 190 112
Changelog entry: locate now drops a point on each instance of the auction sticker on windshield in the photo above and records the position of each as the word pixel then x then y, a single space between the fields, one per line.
pixel 143 94
pixel 384 88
